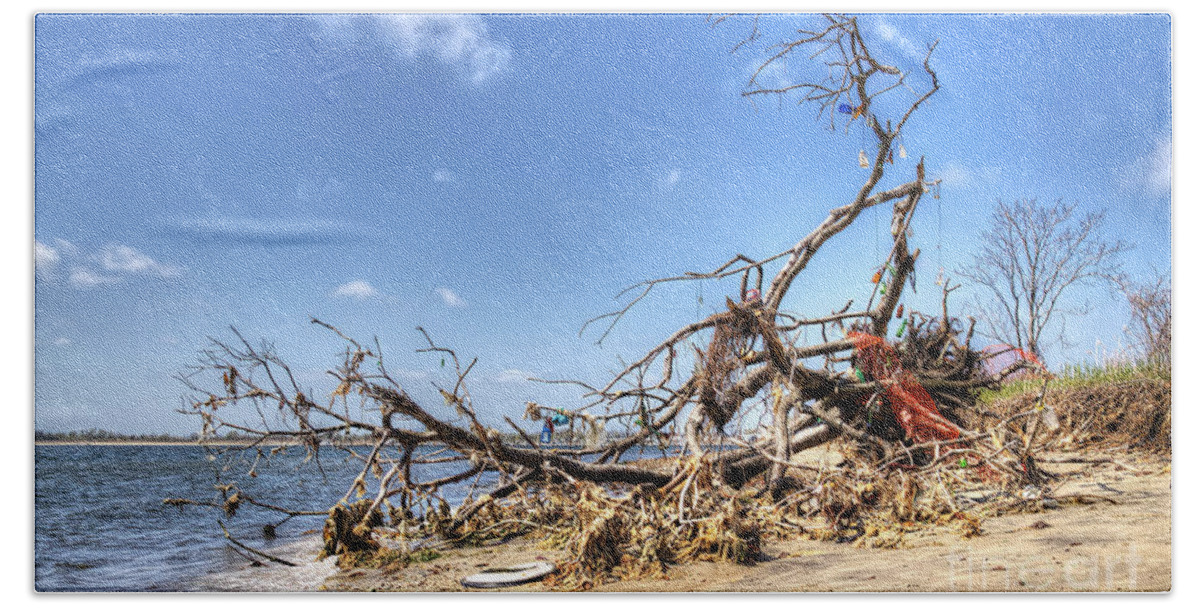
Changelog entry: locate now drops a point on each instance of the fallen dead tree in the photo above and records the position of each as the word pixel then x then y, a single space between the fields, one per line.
pixel 895 409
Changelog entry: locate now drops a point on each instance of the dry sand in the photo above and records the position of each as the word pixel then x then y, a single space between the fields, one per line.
pixel 1078 547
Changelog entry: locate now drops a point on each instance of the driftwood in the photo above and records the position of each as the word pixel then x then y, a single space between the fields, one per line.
pixel 753 349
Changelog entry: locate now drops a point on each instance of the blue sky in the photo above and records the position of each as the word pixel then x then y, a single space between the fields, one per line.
pixel 498 179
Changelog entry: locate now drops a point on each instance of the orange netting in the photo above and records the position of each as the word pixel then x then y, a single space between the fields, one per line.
pixel 911 404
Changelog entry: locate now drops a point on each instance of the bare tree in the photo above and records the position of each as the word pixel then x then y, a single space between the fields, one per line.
pixel 1032 255
pixel 840 387
pixel 1150 308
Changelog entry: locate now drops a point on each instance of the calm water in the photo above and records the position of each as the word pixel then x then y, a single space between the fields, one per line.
pixel 100 524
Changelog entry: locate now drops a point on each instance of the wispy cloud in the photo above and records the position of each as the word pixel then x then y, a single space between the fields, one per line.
pixel 1151 172
pixel 672 178
pixel 82 277
pixel 891 35
pixel 458 41
pixel 955 174
pixel 356 289
pixel 109 265
pixel 443 176
pixel 262 231
pixel 512 375
pixel 125 259
pixel 45 258
pixel 61 341
pixel 450 298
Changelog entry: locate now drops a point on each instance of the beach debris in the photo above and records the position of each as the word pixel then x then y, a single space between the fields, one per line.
pixel 755 390
pixel 508 576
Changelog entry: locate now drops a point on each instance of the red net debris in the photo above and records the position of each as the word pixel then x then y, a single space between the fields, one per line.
pixel 911 404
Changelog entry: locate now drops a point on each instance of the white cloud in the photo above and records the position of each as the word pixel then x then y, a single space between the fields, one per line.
pixel 45 258
pixel 82 277
pixel 104 267
pixel 450 298
pixel 409 374
pixel 957 175
pixel 356 289
pixel 443 176
pixel 459 41
pixel 890 34
pixel 1151 172
pixel 512 375
pixel 673 178
pixel 62 342
pixel 125 259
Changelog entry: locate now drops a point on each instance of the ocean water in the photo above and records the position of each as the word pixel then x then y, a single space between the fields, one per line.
pixel 101 525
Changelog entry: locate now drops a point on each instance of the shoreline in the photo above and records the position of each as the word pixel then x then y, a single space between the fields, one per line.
pixel 309 575
pixel 1091 546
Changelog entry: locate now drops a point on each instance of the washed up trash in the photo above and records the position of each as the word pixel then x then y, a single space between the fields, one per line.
pixel 508 576
pixel 911 404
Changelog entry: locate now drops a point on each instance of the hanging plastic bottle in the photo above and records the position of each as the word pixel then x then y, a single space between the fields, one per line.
pixel 878 275
pixel 547 432
pixel 845 108
pixel 901 150
pixel 862 159
pixel 903 326
pixel 900 312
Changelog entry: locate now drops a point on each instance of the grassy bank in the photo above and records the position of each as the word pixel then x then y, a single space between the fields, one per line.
pixel 1115 405
pixel 1081 376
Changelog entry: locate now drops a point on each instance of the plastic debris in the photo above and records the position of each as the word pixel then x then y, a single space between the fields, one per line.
pixel 862 159
pixel 508 576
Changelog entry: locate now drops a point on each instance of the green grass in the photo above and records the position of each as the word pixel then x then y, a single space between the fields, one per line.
pixel 1082 375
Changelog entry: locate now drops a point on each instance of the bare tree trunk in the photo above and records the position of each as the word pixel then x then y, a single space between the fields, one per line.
pixel 783 447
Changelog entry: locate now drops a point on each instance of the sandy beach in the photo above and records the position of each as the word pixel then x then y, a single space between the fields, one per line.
pixel 1091 545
